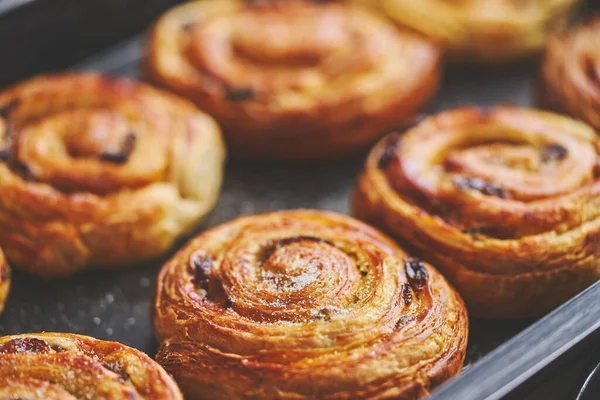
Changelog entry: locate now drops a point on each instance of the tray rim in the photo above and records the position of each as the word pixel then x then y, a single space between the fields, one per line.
pixel 9 5
pixel 508 366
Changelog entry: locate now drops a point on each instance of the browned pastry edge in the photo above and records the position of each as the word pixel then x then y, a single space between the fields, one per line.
pixel 49 366
pixel 569 81
pixel 484 33
pixel 496 274
pixel 4 281
pixel 305 304
pixel 264 118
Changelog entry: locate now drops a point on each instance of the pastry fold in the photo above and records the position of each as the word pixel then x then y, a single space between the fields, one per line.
pixel 305 304
pixel 62 366
pixel 293 79
pixel 100 172
pixel 505 202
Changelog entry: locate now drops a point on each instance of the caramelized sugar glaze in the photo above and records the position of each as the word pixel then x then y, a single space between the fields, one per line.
pixel 305 304
pixel 504 201
pixel 62 366
pixel 293 79
pixel 100 172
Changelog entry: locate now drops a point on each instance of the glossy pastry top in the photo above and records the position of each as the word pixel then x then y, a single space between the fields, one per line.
pixel 571 73
pixel 86 133
pixel 86 160
pixel 480 165
pixel 491 31
pixel 305 304
pixel 282 57
pixel 499 193
pixel 281 70
pixel 49 366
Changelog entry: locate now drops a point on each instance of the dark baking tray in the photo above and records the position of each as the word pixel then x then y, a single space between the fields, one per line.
pixel 38 35
pixel 115 305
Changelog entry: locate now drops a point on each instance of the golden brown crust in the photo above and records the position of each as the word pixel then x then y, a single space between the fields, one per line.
pixel 503 201
pixel 488 32
pixel 293 79
pixel 570 78
pixel 48 366
pixel 100 172
pixel 4 281
pixel 305 304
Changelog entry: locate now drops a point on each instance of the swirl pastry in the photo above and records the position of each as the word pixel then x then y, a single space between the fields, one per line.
pixel 305 304
pixel 570 78
pixel 505 202
pixel 100 172
pixel 293 79
pixel 488 32
pixel 4 281
pixel 49 366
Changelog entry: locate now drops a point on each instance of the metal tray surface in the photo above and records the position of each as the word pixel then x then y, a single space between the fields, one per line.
pixel 115 305
pixel 40 35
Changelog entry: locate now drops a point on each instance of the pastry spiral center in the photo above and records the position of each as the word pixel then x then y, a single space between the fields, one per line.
pixel 295 278
pixel 295 47
pixel 499 161
pixel 99 134
pixel 503 173
pixel 86 148
pixel 296 266
pixel 523 171
pixel 287 37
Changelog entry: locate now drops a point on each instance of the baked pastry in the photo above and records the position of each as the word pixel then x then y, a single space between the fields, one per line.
pixel 49 366
pixel 293 79
pixel 4 281
pixel 488 32
pixel 100 172
pixel 570 77
pixel 305 304
pixel 503 201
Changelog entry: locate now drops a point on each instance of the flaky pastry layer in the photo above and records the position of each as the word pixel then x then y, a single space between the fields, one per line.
pixel 100 172
pixel 305 304
pixel 293 79
pixel 504 201
pixel 62 366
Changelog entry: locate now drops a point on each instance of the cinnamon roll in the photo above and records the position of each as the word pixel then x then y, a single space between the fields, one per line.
pixel 305 304
pixel 504 201
pixel 48 366
pixel 293 79
pixel 570 78
pixel 4 281
pixel 488 32
pixel 100 172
